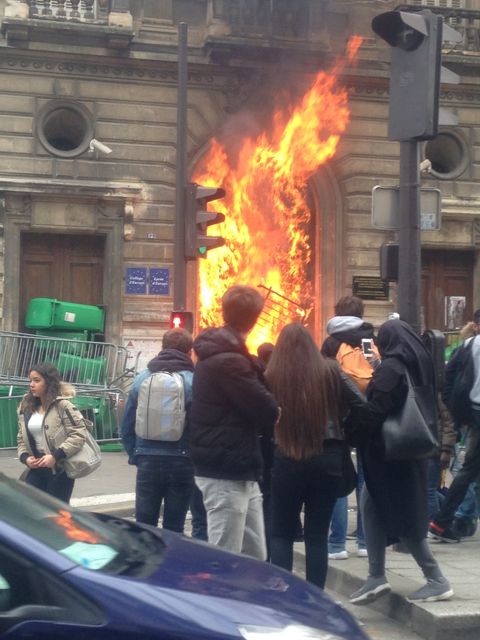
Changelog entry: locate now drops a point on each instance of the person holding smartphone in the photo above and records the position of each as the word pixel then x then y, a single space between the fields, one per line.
pixel 347 326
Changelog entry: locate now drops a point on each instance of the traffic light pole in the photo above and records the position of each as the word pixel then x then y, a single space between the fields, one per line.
pixel 180 277
pixel 409 252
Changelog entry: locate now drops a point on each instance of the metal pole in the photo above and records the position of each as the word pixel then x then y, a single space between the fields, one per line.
pixel 179 263
pixel 409 252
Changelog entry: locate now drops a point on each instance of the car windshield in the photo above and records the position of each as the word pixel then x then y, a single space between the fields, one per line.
pixel 92 541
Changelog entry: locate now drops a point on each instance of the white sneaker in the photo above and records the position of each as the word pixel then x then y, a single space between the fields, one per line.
pixel 339 555
pixel 362 553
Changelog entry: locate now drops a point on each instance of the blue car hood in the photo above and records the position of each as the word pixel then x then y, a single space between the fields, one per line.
pixel 191 570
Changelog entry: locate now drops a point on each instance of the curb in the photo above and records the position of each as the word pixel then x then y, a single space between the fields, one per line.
pixel 119 509
pixel 424 619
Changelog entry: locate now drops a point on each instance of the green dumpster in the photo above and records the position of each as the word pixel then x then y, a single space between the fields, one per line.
pixel 48 313
pixel 75 346
pixel 80 370
pixel 10 397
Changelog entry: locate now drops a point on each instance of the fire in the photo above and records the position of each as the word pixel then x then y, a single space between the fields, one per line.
pixel 266 210
pixel 73 530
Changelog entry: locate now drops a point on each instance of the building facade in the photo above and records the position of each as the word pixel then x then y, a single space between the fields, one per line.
pixel 94 222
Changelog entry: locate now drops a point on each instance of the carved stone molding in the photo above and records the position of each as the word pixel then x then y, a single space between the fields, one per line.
pixel 476 232
pixel 18 205
pixel 130 70
pixel 372 88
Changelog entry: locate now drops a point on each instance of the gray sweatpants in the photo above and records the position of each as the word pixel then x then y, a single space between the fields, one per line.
pixel 376 541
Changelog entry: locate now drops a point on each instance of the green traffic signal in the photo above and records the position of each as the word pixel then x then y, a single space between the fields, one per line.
pixel 198 218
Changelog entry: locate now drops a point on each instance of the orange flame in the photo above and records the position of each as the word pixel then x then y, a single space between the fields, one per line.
pixel 265 207
pixel 72 530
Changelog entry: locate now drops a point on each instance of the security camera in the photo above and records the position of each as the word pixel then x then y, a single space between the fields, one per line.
pixel 96 145
pixel 425 166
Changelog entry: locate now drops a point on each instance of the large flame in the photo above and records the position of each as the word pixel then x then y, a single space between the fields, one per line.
pixel 266 213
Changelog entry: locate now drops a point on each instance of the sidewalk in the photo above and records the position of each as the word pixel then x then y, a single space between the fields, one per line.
pixel 459 617
pixel 111 489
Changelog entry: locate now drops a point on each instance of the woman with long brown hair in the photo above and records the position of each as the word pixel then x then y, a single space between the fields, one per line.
pixel 308 466
pixel 50 429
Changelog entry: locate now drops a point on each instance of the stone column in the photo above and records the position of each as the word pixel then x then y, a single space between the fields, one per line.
pixel 120 15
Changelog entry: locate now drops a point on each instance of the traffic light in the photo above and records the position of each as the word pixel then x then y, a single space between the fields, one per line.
pixel 198 219
pixel 389 262
pixel 181 320
pixel 415 71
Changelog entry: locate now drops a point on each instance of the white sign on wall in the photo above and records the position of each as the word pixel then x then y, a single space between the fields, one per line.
pixel 140 351
pixel 385 210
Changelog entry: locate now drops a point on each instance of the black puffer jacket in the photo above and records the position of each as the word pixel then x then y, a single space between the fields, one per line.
pixel 231 407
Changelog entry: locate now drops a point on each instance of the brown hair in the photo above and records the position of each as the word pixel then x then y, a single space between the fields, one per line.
pixel 179 339
pixel 53 381
pixel 307 388
pixel 349 306
pixel 241 306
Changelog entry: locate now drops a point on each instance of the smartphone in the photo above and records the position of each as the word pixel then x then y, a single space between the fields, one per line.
pixel 367 347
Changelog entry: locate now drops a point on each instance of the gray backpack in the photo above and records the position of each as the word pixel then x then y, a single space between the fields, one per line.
pixel 161 407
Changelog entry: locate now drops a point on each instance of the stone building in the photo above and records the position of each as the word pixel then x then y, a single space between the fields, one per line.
pixel 93 222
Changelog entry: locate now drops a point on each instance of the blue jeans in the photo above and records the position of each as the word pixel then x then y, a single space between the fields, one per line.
pixel 199 515
pixel 314 484
pixel 434 475
pixel 339 523
pixel 167 479
pixel 470 507
pixel 468 473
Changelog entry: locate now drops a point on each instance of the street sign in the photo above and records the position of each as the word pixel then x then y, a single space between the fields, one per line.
pixel 385 210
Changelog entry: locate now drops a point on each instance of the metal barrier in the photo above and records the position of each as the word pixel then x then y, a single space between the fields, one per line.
pixel 87 365
pixel 97 371
pixel 103 407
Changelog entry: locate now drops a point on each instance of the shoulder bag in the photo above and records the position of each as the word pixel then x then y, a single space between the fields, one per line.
pixel 87 459
pixel 411 433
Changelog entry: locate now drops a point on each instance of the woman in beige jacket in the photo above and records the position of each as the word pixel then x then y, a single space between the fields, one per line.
pixel 50 429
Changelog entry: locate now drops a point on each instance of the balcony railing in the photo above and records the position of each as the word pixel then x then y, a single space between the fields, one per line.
pixel 71 10
pixel 107 22
pixel 267 18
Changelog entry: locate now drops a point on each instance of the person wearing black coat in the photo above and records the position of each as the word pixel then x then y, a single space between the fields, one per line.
pixel 394 498
pixel 231 407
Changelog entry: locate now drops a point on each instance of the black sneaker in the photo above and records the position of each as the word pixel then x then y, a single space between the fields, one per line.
pixel 464 527
pixel 445 534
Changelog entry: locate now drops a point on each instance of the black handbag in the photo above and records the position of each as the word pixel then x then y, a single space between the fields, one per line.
pixel 349 475
pixel 411 433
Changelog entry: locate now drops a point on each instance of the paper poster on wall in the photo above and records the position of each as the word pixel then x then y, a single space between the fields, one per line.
pixel 455 311
pixel 140 351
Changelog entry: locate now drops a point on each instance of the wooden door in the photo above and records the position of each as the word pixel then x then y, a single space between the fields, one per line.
pixel 65 267
pixel 447 288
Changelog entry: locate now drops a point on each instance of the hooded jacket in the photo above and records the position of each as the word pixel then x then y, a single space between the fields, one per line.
pixel 349 329
pixel 64 428
pixel 172 361
pixel 231 407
